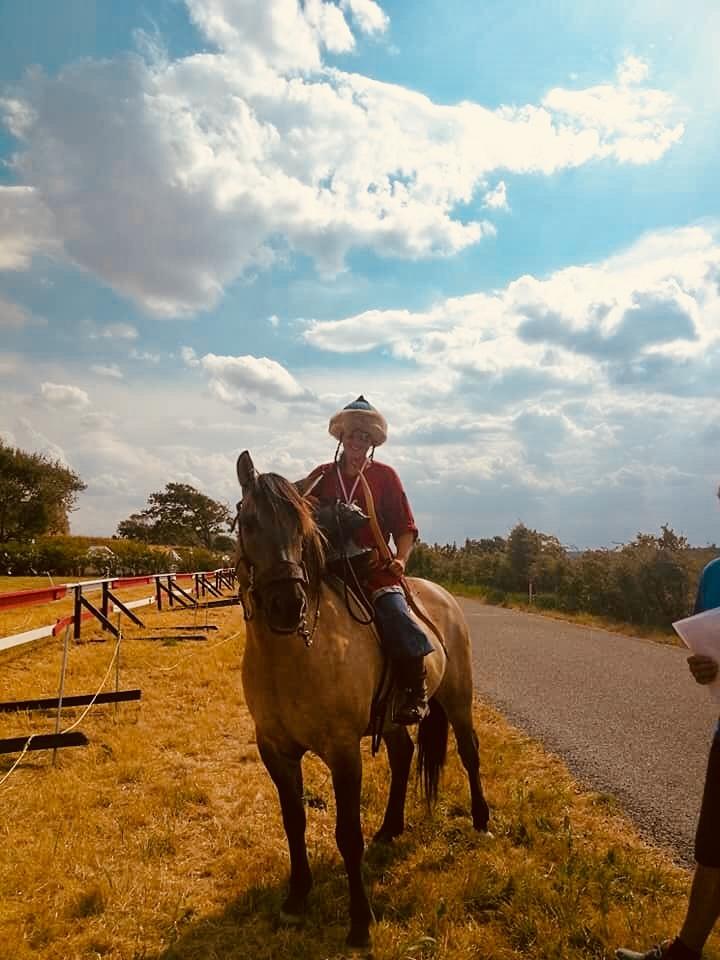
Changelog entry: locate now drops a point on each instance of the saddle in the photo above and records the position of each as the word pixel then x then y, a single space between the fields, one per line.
pixel 386 686
pixel 347 567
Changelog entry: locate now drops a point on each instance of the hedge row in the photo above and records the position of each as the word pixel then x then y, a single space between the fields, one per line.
pixel 69 556
pixel 649 582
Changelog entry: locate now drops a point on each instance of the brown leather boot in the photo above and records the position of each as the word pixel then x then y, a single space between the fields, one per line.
pixel 411 704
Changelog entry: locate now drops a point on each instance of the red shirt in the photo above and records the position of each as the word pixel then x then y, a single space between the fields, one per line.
pixel 392 509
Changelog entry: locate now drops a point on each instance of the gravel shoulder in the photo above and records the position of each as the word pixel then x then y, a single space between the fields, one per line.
pixel 624 713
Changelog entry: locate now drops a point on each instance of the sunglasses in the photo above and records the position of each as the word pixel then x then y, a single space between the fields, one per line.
pixel 360 436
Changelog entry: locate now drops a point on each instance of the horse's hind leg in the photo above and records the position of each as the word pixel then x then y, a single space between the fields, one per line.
pixel 469 750
pixel 286 773
pixel 400 752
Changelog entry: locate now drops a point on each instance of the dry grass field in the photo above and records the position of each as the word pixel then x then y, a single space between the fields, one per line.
pixel 162 839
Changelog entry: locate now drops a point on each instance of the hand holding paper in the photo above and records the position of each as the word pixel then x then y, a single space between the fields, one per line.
pixel 701 634
pixel 703 668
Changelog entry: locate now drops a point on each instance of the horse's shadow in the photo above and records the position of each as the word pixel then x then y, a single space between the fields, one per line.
pixel 249 927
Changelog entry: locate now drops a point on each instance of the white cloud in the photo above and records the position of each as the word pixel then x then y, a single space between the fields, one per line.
pixel 276 34
pixel 629 120
pixel 189 357
pixel 368 15
pixel 99 420
pixel 232 378
pixel 144 356
pixel 26 226
pixel 633 319
pixel 632 70
pixel 107 370
pixel 31 439
pixel 210 166
pixel 112 331
pixel 64 396
pixel 372 328
pixel 496 199
pixel 108 485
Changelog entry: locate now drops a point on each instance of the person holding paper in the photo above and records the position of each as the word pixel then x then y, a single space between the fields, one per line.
pixel 703 907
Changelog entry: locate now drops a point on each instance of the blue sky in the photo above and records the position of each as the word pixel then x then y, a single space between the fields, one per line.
pixel 221 221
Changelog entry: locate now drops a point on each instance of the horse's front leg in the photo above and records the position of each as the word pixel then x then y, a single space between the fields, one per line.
pixel 286 772
pixel 346 770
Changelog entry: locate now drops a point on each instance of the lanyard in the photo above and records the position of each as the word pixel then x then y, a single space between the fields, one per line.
pixel 348 497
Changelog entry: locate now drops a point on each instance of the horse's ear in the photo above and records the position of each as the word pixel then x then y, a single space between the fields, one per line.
pixel 246 472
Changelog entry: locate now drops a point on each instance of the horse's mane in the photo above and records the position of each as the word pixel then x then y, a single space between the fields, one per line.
pixel 289 509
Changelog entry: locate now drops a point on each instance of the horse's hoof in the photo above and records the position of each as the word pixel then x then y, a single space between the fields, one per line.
pixel 384 837
pixel 359 939
pixel 481 824
pixel 358 947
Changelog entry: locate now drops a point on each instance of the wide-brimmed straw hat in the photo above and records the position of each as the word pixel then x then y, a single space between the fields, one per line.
pixel 359 415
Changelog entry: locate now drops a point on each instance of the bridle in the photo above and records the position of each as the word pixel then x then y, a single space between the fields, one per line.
pixel 280 572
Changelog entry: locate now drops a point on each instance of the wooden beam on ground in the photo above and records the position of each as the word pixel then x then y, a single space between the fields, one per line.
pixel 43 741
pixel 175 636
pixel 227 602
pixel 195 626
pixel 76 700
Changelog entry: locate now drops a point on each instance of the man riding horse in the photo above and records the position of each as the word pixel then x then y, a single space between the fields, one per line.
pixel 356 478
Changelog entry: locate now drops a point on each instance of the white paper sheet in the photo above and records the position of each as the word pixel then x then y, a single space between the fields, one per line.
pixel 701 634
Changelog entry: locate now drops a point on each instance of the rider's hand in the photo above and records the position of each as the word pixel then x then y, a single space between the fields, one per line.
pixel 703 668
pixel 396 567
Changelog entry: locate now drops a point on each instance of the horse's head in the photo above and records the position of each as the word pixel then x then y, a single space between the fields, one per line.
pixel 280 551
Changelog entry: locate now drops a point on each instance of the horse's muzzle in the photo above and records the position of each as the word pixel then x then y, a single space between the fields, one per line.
pixel 286 608
pixel 281 594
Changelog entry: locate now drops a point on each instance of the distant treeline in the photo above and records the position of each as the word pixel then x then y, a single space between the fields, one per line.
pixel 649 582
pixel 78 556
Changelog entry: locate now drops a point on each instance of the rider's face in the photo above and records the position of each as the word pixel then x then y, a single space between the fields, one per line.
pixel 356 445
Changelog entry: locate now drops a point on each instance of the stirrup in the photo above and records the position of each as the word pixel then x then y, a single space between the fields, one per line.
pixel 410 711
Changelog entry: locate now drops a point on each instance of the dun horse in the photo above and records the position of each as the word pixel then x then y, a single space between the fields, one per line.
pixel 310 672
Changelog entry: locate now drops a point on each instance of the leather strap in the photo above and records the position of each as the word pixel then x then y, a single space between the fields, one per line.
pixel 380 540
pixel 386 554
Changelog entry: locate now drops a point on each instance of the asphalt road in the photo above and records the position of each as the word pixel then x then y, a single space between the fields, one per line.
pixel 623 713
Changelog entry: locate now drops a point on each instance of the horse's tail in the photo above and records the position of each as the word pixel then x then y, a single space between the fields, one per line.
pixel 432 750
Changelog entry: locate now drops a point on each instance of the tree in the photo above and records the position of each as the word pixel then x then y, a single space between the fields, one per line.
pixel 178 515
pixel 523 549
pixel 36 494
